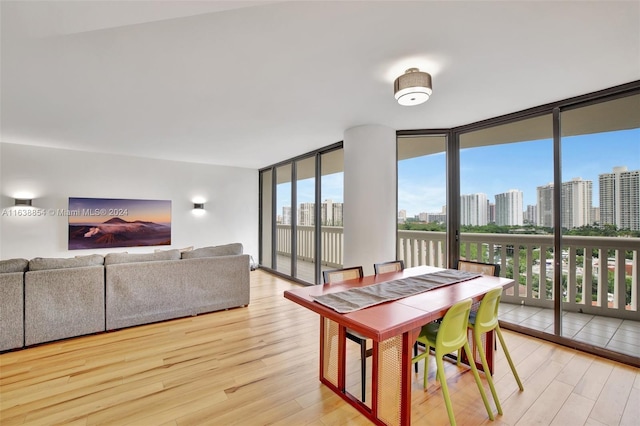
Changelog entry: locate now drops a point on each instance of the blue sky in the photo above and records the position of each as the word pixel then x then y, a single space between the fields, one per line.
pixel 525 166
pixel 495 169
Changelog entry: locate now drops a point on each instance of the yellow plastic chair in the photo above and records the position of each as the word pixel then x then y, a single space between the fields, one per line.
pixel 483 321
pixel 446 337
pixel 335 276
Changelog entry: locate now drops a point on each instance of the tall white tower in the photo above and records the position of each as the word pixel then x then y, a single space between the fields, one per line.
pixel 620 198
pixel 576 203
pixel 473 209
pixel 509 210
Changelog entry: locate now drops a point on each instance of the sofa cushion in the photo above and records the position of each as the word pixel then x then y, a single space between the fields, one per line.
pixel 115 258
pixel 224 250
pixel 44 263
pixel 13 265
pixel 181 250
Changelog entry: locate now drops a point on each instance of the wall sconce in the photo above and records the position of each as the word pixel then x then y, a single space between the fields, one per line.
pixel 23 202
pixel 198 206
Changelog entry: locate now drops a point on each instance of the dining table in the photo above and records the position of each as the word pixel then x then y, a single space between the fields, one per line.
pixel 393 327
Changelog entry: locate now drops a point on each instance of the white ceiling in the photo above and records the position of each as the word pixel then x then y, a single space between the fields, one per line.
pixel 252 83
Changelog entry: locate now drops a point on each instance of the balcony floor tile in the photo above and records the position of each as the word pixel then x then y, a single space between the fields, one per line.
pixel 624 347
pixel 593 339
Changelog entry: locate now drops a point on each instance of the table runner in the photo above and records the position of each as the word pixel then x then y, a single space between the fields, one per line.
pixel 364 297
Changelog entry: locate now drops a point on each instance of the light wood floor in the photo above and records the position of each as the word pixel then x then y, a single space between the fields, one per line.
pixel 259 365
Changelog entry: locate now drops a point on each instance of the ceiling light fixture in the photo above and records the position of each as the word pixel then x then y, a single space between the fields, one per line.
pixel 413 87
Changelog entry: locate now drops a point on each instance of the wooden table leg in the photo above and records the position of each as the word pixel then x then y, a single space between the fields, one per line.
pixel 391 375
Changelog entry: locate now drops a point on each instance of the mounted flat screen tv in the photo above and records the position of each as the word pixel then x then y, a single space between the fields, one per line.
pixel 111 222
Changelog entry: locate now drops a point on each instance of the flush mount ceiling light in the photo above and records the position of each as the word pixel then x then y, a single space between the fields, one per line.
pixel 413 87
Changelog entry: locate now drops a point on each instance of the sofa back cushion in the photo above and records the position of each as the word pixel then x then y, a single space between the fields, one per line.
pixel 115 258
pixel 224 250
pixel 44 263
pixel 13 265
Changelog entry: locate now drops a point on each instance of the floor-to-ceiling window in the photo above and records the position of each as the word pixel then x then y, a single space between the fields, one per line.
pixel 301 215
pixel 422 199
pixel 600 220
pixel 332 205
pixel 306 219
pixel 506 210
pixel 550 195
pixel 266 218
pixel 285 213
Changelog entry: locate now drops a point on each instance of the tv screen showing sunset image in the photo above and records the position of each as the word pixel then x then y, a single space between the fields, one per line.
pixel 107 222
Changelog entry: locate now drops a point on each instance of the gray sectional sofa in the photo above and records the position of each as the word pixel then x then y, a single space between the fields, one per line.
pixel 12 303
pixel 50 299
pixel 203 280
pixel 63 298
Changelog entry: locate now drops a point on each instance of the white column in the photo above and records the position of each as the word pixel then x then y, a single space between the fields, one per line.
pixel 370 214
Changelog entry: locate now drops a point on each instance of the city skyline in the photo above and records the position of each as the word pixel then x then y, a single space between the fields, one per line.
pixel 496 169
pixel 493 169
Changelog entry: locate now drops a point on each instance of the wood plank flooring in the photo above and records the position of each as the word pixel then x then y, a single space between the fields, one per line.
pixel 259 366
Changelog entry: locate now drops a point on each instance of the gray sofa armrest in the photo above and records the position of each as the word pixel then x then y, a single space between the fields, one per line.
pixel 217 283
pixel 62 303
pixel 11 310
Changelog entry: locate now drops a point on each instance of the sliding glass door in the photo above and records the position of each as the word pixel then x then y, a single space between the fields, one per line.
pixel 305 234
pixel 422 200
pixel 301 204
pixel 331 209
pixel 506 212
pixel 285 212
pixel 600 218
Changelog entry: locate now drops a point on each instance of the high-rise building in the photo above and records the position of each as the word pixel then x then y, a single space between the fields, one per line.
pixel 286 215
pixel 307 214
pixel 576 203
pixel 620 198
pixel 326 213
pixel 531 215
pixel 331 213
pixel 337 209
pixel 432 217
pixel 491 212
pixel 595 214
pixel 473 209
pixel 509 208
pixel 402 216
pixel 545 205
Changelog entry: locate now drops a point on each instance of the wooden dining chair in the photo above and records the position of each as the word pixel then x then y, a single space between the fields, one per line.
pixel 392 266
pixel 337 275
pixel 479 267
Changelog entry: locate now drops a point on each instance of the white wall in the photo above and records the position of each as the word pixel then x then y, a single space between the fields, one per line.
pixel 54 175
pixel 370 215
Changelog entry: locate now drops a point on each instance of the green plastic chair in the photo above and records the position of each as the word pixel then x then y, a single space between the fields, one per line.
pixel 448 336
pixel 483 321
